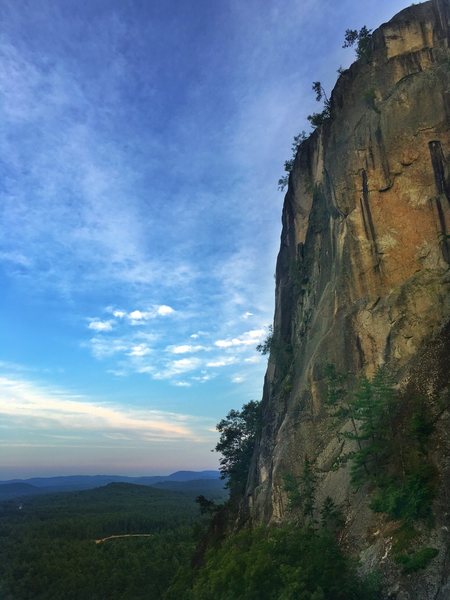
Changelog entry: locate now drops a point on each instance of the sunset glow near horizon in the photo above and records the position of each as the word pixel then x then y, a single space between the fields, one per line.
pixel 141 146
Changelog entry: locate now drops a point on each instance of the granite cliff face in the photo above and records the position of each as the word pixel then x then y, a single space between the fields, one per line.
pixel 362 278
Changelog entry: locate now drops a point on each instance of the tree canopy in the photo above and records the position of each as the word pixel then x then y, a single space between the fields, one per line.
pixel 237 440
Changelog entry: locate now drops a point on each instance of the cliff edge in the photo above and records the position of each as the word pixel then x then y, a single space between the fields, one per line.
pixel 362 281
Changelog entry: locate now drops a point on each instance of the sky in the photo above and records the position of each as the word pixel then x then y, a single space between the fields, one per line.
pixel 140 147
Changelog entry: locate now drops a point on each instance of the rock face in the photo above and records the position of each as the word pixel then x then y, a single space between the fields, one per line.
pixel 362 276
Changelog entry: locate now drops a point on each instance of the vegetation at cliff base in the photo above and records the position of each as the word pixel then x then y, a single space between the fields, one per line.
pixel 417 560
pixel 276 563
pixel 300 560
pixel 279 563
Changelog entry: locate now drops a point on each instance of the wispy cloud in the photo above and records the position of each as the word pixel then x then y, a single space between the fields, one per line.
pixel 83 213
pixel 222 362
pixel 249 338
pixel 186 349
pixel 182 384
pixel 139 350
pixel 138 317
pixel 30 405
pixel 178 367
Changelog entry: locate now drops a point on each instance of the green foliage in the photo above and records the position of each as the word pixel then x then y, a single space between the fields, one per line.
pixel 403 538
pixel 337 386
pixel 373 408
pixel 301 491
pixel 391 438
pixel 267 345
pixel 289 164
pixel 408 500
pixel 291 487
pixel 319 91
pixel 308 482
pixel 281 352
pixel 362 39
pixel 317 119
pixel 283 181
pixel 207 507
pixel 421 426
pixel 238 433
pixel 417 560
pixel 285 563
pixel 298 139
pixel 331 516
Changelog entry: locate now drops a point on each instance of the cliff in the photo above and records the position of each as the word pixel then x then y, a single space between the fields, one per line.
pixel 362 281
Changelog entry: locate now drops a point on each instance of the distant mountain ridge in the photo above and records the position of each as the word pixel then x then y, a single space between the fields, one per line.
pixel 42 485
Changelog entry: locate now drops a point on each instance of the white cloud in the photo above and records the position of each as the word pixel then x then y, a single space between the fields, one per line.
pixel 178 367
pixel 204 377
pixel 98 325
pixel 164 310
pixel 137 317
pixel 146 369
pixel 195 336
pixel 253 360
pixel 119 314
pixel 222 362
pixel 247 315
pixel 139 350
pixel 104 348
pixel 136 345
pixel 185 384
pixel 186 364
pixel 249 338
pixel 238 379
pixel 185 349
pixel 45 409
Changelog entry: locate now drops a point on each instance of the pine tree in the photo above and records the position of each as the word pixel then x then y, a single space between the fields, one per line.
pixel 308 483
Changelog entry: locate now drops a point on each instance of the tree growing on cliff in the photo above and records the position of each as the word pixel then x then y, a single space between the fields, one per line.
pixel 289 164
pixel 317 119
pixel 362 39
pixel 301 491
pixel 238 431
pixel 266 346
pixel 392 434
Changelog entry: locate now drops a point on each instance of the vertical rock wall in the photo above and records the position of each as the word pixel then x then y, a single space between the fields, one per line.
pixel 363 269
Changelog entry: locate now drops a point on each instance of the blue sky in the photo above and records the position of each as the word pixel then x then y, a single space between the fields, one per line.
pixel 141 143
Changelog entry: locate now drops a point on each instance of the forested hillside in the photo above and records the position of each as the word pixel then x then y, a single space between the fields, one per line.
pixel 50 548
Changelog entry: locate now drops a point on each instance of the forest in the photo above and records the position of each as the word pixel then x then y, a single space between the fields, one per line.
pixel 48 548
